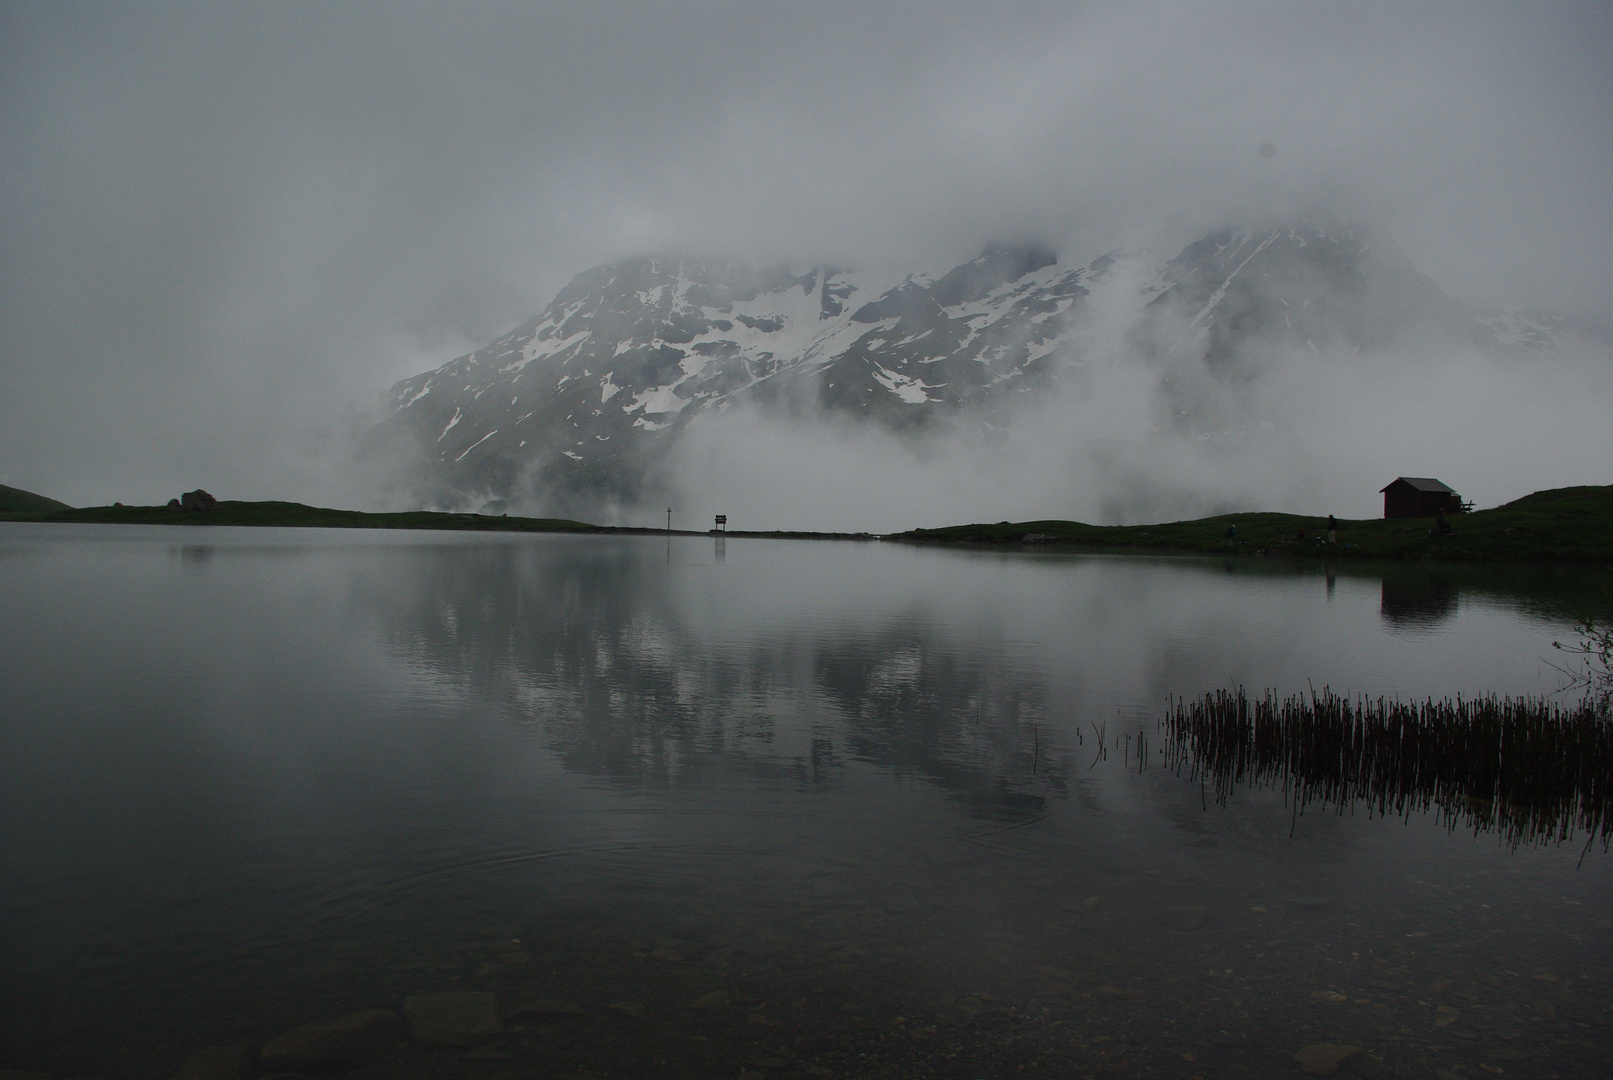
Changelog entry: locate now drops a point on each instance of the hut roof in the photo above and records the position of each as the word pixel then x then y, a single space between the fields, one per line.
pixel 1421 483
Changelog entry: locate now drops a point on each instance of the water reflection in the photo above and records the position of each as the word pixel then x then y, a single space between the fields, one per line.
pixel 1417 600
pixel 888 800
pixel 195 556
pixel 597 652
pixel 636 675
pixel 1427 593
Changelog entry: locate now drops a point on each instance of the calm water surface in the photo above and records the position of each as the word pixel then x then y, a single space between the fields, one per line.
pixel 888 799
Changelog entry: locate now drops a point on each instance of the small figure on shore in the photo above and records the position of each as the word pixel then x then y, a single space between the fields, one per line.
pixel 1300 536
pixel 1232 530
pixel 1441 526
pixel 1332 529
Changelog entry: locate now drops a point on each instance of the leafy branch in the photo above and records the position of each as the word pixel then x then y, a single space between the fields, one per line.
pixel 1591 660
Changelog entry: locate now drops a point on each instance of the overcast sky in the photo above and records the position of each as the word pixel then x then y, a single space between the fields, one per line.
pixel 225 226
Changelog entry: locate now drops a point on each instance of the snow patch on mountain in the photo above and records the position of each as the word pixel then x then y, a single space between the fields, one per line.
pixel 906 388
pixel 629 354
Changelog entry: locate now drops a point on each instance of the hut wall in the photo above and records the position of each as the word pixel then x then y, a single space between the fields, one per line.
pixel 1405 501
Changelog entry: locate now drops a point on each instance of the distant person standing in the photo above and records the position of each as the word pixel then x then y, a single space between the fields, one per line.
pixel 1332 529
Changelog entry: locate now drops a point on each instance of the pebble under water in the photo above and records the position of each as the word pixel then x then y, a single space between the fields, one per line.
pixel 491 807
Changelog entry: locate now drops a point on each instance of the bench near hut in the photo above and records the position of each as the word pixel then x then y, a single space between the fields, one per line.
pixel 1418 497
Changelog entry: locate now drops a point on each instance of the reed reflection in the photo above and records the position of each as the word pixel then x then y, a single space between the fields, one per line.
pixel 1532 771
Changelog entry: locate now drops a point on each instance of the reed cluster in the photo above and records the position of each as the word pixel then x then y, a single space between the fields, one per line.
pixel 1532 771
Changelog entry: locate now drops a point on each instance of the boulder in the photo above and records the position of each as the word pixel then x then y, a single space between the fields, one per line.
pixel 347 1043
pixel 198 500
pixel 454 1018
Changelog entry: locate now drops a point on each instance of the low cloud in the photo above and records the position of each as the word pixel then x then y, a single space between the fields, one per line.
pixel 227 226
pixel 1314 434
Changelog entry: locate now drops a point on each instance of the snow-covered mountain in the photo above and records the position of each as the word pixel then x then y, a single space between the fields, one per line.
pixel 586 397
pixel 583 403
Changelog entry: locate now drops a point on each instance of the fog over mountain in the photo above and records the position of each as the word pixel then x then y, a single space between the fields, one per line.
pixel 1132 387
pixel 893 265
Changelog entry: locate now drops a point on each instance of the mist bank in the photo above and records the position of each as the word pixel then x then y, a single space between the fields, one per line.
pixel 1310 437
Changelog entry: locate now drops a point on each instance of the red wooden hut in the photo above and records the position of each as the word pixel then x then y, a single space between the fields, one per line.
pixel 1418 497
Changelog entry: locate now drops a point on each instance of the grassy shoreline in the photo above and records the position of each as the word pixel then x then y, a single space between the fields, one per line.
pixel 297 515
pixel 1562 525
pixel 1572 525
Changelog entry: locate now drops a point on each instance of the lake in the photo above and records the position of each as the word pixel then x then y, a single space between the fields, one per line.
pixel 696 807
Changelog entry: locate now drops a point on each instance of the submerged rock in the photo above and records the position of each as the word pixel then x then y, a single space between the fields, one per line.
pixel 545 1007
pixel 714 1000
pixel 454 1018
pixel 1324 1059
pixel 347 1043
pixel 1186 917
pixel 215 1063
pixel 767 1061
pixel 1310 903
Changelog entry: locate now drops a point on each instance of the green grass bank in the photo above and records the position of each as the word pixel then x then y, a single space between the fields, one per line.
pixel 37 508
pixel 297 515
pixel 16 503
pixel 1562 525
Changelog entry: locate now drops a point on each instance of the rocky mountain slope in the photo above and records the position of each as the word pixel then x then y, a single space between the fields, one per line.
pixel 581 405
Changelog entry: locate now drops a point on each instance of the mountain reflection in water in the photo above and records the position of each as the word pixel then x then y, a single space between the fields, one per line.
pixel 599 652
pixel 1529 770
